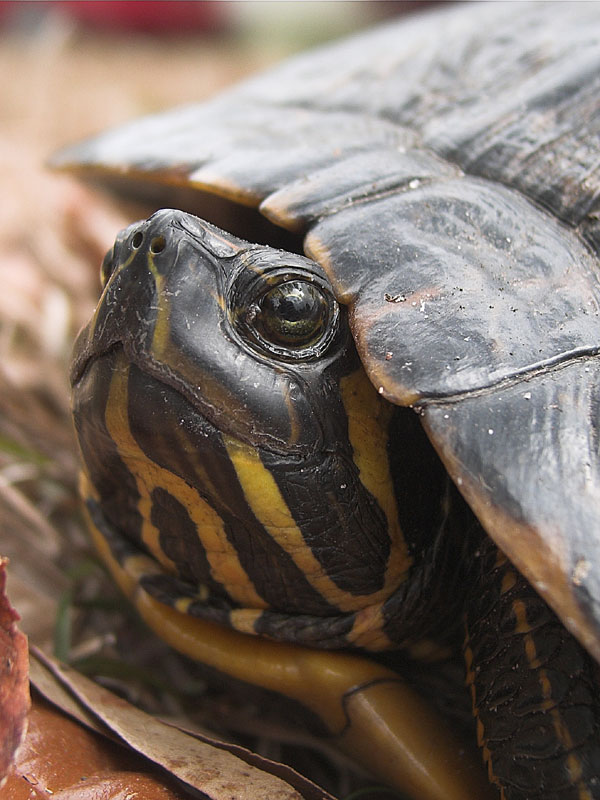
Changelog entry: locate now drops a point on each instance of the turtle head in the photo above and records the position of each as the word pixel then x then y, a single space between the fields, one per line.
pixel 227 427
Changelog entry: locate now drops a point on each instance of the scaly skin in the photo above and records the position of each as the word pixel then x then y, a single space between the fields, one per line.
pixel 535 690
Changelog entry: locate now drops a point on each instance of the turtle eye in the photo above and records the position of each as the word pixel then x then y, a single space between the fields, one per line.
pixel 292 314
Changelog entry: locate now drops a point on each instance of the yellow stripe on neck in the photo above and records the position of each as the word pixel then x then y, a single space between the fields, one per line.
pixel 221 554
pixel 270 509
pixel 369 707
pixel 369 418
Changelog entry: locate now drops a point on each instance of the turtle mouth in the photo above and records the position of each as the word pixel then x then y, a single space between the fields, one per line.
pixel 96 366
pixel 89 346
pixel 85 356
pixel 88 352
pixel 89 349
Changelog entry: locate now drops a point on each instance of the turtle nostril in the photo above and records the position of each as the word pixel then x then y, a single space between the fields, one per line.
pixel 137 240
pixel 158 244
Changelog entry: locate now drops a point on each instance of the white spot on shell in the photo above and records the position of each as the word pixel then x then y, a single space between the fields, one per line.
pixel 580 572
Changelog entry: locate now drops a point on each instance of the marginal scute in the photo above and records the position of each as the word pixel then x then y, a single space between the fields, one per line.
pixel 458 286
pixel 527 459
pixel 190 149
pixel 513 103
pixel 351 180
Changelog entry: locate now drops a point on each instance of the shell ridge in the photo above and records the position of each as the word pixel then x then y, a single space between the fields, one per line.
pixel 543 367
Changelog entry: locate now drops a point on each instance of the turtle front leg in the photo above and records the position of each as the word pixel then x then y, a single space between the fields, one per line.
pixel 535 690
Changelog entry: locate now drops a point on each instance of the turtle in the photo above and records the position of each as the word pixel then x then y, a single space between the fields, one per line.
pixel 338 403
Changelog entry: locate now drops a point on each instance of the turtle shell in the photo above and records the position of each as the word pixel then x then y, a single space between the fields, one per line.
pixel 444 172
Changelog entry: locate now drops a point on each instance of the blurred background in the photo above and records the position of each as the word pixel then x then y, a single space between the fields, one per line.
pixel 70 69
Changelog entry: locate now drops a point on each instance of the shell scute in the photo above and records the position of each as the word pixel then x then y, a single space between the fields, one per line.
pixel 463 281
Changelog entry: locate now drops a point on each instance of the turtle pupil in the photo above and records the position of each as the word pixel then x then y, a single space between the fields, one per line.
pixel 293 314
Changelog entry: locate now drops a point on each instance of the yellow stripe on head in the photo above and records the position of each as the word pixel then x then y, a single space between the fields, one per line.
pixel 162 327
pixel 221 554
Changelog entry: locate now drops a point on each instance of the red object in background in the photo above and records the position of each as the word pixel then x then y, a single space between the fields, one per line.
pixel 150 16
pixel 14 679
pixel 144 16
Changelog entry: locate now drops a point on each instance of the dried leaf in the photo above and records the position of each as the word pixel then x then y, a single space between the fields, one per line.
pixel 220 771
pixel 60 759
pixel 14 687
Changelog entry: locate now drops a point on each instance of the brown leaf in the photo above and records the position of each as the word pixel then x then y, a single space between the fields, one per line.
pixel 14 687
pixel 220 771
pixel 59 758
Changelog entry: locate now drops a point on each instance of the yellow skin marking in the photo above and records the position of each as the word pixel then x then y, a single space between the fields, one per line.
pixel 183 603
pixel 222 557
pixel 562 732
pixel 367 630
pixel 524 628
pixel 368 434
pixel 244 619
pixel 269 507
pixel 143 470
pixel 86 487
pixel 481 740
pixel 508 581
pixel 137 566
pixel 367 706
pixel 160 336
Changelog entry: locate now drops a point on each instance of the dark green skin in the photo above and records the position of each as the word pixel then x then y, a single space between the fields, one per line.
pixel 444 170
